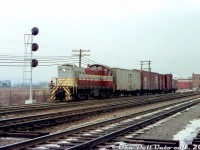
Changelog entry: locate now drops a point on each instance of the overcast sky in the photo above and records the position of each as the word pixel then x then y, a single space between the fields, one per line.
pixel 119 33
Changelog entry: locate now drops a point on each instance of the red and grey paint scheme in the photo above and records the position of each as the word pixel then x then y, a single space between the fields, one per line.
pixel 81 83
pixel 102 81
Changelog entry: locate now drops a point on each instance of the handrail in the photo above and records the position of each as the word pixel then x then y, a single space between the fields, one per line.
pixel 66 82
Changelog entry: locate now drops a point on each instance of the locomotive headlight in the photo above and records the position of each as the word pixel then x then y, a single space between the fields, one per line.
pixel 64 69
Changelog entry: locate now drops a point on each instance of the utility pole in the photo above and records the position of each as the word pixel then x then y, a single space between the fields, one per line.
pixel 147 63
pixel 80 54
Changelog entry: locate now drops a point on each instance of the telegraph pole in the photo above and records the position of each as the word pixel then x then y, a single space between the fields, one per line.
pixel 147 63
pixel 80 54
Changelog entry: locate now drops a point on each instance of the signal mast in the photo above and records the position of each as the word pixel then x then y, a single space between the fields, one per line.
pixel 33 62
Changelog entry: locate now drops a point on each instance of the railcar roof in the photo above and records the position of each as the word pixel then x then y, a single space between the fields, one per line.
pixel 107 67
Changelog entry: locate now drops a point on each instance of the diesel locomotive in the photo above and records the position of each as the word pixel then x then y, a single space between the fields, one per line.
pixel 100 81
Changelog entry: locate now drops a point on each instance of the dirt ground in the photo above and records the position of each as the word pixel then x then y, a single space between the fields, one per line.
pixel 17 96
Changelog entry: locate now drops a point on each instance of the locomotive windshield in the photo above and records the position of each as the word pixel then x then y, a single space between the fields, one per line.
pixel 65 72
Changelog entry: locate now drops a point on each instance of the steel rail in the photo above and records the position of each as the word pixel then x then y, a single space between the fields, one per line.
pixel 61 117
pixel 32 123
pixel 16 126
pixel 97 138
pixel 139 125
pixel 36 107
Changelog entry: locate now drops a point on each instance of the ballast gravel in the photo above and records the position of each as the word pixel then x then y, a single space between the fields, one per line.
pixel 168 129
pixel 164 131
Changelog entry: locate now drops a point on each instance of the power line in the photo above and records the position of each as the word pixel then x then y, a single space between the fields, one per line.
pixel 56 64
pixel 80 54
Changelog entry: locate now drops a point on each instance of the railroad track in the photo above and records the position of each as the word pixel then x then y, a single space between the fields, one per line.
pixel 69 104
pixel 195 143
pixel 94 135
pixel 18 126
pixel 26 126
pixel 38 107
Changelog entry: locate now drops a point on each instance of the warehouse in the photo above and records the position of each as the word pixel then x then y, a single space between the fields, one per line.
pixel 184 84
pixel 195 81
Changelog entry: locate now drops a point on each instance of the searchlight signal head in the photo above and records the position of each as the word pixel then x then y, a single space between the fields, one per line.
pixel 34 63
pixel 35 47
pixel 35 31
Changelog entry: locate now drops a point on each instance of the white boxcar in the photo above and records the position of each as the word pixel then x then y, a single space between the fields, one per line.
pixel 126 80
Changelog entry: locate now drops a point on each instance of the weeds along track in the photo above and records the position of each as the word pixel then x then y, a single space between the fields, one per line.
pixel 4 111
pixel 95 136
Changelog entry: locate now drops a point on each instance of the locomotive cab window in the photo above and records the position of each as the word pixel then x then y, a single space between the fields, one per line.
pixel 105 72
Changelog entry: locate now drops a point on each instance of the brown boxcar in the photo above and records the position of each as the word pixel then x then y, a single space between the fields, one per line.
pixel 168 82
pixel 145 80
pixel 161 82
pixel 150 81
pixel 154 81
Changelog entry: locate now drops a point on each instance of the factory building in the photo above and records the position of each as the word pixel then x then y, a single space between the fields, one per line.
pixel 184 84
pixel 195 81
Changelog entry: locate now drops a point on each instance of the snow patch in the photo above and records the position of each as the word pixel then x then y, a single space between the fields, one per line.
pixel 62 142
pixel 40 147
pixel 87 134
pixel 71 139
pixel 189 133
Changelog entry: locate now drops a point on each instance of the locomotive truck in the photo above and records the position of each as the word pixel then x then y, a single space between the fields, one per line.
pixel 100 81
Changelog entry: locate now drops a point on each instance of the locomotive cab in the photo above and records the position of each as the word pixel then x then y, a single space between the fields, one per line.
pixel 65 83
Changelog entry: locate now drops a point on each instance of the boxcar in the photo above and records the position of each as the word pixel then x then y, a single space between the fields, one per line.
pixel 126 81
pixel 160 80
pixel 145 79
pixel 150 82
pixel 154 82
pixel 168 83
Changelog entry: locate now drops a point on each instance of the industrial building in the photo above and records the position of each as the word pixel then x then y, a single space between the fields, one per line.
pixel 195 81
pixel 184 83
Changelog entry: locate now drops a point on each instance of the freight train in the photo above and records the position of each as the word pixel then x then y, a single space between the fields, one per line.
pixel 100 81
